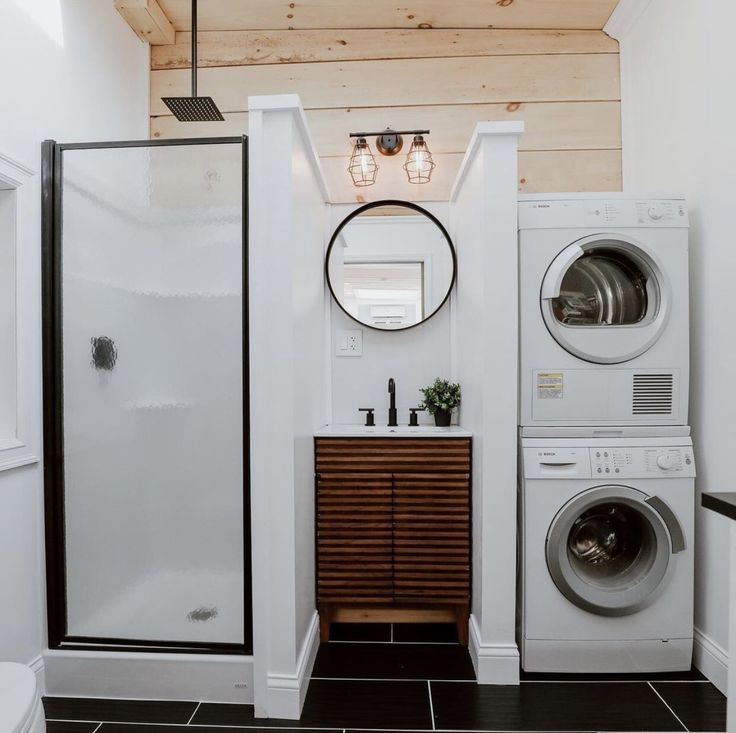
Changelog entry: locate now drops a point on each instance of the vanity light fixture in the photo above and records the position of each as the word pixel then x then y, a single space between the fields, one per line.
pixel 363 167
pixel 419 164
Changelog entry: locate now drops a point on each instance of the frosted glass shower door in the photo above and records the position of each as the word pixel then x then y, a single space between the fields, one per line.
pixel 149 308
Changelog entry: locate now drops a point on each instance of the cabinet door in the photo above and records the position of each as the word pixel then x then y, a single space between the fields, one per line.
pixel 432 537
pixel 354 544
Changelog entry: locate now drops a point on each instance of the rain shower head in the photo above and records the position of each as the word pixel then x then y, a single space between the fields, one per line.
pixel 194 108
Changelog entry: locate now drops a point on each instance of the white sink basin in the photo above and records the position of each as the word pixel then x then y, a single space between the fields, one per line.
pixel 383 431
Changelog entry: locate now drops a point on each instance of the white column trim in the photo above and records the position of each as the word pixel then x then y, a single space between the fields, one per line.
pixel 292 103
pixel 624 17
pixel 494 664
pixel 482 130
pixel 286 692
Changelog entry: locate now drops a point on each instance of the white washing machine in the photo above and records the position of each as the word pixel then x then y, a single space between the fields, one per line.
pixel 607 553
pixel 604 313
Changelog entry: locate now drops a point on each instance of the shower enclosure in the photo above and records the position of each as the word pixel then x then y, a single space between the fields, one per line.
pixel 145 395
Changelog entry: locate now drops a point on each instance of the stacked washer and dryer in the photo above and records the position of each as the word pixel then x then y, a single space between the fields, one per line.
pixel 607 470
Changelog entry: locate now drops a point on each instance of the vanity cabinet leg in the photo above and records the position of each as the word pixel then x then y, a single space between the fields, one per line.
pixel 325 621
pixel 461 621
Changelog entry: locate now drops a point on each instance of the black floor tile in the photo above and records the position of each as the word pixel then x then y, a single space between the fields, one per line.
pixel 538 706
pixel 394 661
pixel 690 674
pixel 348 704
pixel 65 726
pixel 118 711
pixel 224 714
pixel 336 704
pixel 427 633
pixel 699 705
pixel 360 632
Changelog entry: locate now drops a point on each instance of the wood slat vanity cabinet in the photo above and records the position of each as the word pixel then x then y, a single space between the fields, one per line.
pixel 393 530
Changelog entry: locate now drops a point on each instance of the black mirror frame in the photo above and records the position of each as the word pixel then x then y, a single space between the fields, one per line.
pixel 408 205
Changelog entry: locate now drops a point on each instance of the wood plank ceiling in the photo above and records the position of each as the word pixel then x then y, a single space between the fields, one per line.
pixel 430 64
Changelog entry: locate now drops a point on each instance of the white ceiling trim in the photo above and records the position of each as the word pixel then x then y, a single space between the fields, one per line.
pixel 624 17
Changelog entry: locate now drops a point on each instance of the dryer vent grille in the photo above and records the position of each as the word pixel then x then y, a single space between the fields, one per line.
pixel 653 394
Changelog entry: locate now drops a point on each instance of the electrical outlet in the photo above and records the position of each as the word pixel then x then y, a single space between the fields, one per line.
pixel 349 343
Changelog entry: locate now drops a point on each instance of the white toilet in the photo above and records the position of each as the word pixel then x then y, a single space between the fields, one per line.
pixel 21 709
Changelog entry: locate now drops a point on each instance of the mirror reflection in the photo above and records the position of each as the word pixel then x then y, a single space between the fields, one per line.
pixel 390 265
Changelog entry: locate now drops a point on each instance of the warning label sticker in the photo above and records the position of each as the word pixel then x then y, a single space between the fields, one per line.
pixel 550 386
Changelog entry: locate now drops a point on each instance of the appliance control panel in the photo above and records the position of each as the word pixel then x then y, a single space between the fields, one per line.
pixel 603 213
pixel 640 462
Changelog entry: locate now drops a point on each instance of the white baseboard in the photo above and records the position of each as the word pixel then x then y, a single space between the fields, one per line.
pixel 711 659
pixel 39 669
pixel 495 664
pixel 149 676
pixel 286 693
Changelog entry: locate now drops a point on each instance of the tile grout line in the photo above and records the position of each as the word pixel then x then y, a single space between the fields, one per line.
pixel 431 706
pixel 666 704
pixel 194 713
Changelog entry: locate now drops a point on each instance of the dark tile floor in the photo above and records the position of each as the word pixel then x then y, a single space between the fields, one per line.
pixel 406 678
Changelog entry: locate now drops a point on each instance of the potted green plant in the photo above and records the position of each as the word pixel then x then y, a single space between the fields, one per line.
pixel 440 398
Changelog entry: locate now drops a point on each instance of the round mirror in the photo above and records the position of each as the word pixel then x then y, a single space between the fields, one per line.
pixel 390 265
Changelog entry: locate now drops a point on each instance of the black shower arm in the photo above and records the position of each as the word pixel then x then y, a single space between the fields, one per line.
pixel 194 48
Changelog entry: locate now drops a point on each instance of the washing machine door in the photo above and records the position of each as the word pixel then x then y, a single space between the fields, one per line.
pixel 611 549
pixel 605 299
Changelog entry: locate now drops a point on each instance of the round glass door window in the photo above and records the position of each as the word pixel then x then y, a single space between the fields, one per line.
pixel 609 552
pixel 605 300
pixel 603 287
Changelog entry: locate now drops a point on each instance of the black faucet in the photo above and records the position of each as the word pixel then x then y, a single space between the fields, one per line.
pixel 392 421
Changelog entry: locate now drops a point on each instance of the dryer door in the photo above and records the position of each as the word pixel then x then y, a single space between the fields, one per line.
pixel 605 299
pixel 610 550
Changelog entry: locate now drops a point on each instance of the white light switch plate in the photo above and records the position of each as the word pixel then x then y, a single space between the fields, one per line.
pixel 349 343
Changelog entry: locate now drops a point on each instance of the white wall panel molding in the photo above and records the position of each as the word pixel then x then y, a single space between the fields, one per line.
pixel 18 402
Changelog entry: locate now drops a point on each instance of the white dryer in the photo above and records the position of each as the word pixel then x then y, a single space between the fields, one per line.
pixel 607 553
pixel 604 311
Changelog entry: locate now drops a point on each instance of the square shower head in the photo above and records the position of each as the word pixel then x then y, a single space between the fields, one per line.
pixel 194 109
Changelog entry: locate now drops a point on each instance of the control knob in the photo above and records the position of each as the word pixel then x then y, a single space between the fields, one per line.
pixel 655 212
pixel 666 461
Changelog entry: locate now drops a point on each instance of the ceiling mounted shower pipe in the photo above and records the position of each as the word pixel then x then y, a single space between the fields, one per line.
pixel 194 108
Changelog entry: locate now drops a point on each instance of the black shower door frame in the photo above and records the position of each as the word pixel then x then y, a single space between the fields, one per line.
pixel 53 406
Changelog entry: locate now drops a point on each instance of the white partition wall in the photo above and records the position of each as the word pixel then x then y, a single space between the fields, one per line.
pixel 484 228
pixel 288 223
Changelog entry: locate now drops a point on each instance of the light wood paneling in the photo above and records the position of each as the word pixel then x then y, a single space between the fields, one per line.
pixel 244 48
pixel 549 126
pixel 285 14
pixel 390 83
pixel 370 65
pixel 147 19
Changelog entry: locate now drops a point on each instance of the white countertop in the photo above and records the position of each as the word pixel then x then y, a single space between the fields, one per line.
pixel 383 431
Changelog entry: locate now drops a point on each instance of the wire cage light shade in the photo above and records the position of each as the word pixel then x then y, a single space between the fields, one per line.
pixel 419 164
pixel 363 166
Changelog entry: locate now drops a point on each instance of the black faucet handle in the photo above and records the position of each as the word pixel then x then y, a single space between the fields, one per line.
pixel 370 419
pixel 413 418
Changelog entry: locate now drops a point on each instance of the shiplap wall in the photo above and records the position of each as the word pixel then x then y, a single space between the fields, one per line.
pixel 564 83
